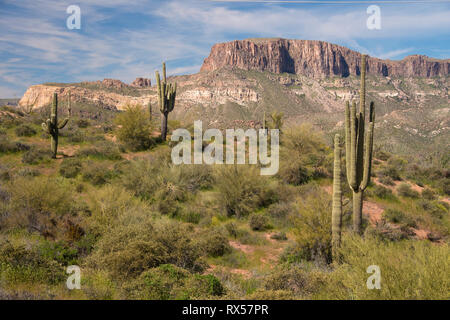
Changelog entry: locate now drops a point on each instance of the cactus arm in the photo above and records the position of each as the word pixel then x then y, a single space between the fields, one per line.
pixel 360 149
pixel 63 123
pixel 336 215
pixel 347 140
pixel 369 148
pixel 164 72
pixel 45 127
pixel 353 137
pixel 362 92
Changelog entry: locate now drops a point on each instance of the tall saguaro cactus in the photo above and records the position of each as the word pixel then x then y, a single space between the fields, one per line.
pixel 166 95
pixel 150 115
pixel 336 215
pixel 359 147
pixel 52 126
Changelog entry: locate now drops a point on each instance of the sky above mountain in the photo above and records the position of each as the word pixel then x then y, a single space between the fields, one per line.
pixel 125 39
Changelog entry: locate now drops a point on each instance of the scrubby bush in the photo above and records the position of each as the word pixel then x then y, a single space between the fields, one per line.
pixel 409 270
pixel 39 205
pixel 258 221
pixel 386 180
pixel 396 216
pixel 25 131
pixel 134 128
pixel 214 243
pixel 304 156
pixel 101 150
pixel 313 226
pixel 382 192
pixel 279 236
pixel 83 123
pixel 404 190
pixel 389 172
pixel 70 168
pixel 96 173
pixel 243 189
pixel 8 146
pixel 169 282
pixel 35 155
pixel 129 249
pixel 428 194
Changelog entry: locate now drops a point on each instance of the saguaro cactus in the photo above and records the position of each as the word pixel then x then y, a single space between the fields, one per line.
pixel 52 126
pixel 336 215
pixel 166 95
pixel 150 111
pixel 359 149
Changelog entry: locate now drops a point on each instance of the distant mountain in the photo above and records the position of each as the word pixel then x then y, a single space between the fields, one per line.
pixel 242 79
pixel 315 59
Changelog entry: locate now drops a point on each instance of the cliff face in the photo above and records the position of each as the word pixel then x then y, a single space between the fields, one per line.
pixel 315 59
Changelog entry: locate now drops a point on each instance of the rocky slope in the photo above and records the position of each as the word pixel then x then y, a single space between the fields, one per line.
pixel 413 112
pixel 315 59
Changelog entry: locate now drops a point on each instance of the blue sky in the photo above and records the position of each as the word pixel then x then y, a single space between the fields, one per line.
pixel 125 39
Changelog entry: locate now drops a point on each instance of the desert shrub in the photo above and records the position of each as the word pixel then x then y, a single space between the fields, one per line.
pixel 386 180
pixel 231 228
pixel 76 137
pixel 294 279
pixel 169 282
pixel 313 226
pixel 111 204
pixel 382 192
pixel 262 294
pixel 397 216
pixel 35 155
pixel 70 168
pixel 391 172
pixel 83 123
pixel 428 194
pixel 214 243
pixel 409 270
pixel 303 155
pixel 24 131
pixel 258 221
pixel 386 232
pixel 96 173
pixel 134 128
pixel 101 150
pixel 5 172
pixel 21 263
pixel 129 249
pixel 8 146
pixel 279 236
pixel 405 190
pixel 242 190
pixel 39 204
pixel 28 172
pixel 435 208
pixel 382 155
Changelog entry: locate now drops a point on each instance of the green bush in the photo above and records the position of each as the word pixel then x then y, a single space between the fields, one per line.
pixel 96 173
pixel 39 205
pixel 8 146
pixel 428 194
pixel 382 192
pixel 396 216
pixel 83 123
pixel 24 131
pixel 101 150
pixel 127 250
pixel 214 243
pixel 134 128
pixel 36 155
pixel 313 226
pixel 404 190
pixel 169 282
pixel 258 221
pixel 304 155
pixel 243 190
pixel 410 270
pixel 386 180
pixel 70 168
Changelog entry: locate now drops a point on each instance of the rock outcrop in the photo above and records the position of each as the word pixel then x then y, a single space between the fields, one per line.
pixel 141 83
pixel 316 59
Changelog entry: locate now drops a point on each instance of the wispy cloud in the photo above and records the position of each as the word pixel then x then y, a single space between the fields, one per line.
pixel 129 38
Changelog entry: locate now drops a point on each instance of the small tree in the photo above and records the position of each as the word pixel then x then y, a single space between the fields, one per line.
pixel 134 128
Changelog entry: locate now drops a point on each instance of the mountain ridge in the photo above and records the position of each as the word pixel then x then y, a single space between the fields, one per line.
pixel 316 59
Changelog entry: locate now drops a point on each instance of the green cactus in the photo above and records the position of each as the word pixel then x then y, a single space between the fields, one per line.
pixel 336 215
pixel 51 126
pixel 277 120
pixel 150 116
pixel 166 95
pixel 359 149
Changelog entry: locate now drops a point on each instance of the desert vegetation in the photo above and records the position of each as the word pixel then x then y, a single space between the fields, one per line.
pixel 112 202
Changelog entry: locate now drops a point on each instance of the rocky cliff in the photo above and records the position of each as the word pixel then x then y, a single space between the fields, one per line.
pixel 315 59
